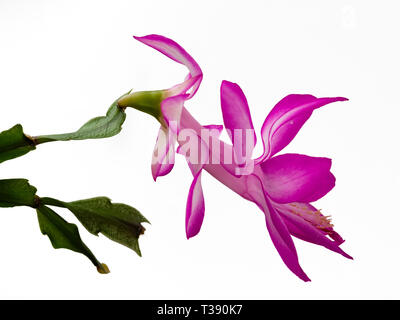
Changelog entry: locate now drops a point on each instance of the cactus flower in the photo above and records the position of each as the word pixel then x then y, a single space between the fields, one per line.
pixel 282 186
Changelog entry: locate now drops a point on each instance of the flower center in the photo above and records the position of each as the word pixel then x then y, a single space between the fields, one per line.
pixel 315 217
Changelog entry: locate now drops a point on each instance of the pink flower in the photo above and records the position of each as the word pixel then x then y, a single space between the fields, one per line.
pixel 282 186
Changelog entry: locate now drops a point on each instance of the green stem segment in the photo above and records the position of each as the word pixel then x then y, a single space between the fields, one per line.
pixel 117 221
pixel 52 202
pixel 15 143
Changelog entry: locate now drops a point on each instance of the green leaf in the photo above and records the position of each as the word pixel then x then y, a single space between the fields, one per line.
pixel 65 235
pixel 119 222
pixel 17 192
pixel 97 128
pixel 14 143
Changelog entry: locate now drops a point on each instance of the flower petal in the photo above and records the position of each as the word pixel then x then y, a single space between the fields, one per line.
pixel 171 109
pixel 328 229
pixel 305 230
pixel 184 86
pixel 195 150
pixel 217 127
pixel 286 119
pixel 175 52
pixel 220 152
pixel 297 178
pixel 277 229
pixel 163 155
pixel 237 120
pixel 164 150
pixel 194 207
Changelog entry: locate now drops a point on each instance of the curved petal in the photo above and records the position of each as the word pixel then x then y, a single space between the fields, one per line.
pixel 237 120
pixel 163 155
pixel 175 52
pixel 286 119
pixel 196 152
pixel 194 207
pixel 184 86
pixel 305 230
pixel 277 229
pixel 297 178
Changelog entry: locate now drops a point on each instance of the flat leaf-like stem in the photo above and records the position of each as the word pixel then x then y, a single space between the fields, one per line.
pixel 97 128
pixel 117 221
pixel 17 192
pixel 63 234
pixel 14 143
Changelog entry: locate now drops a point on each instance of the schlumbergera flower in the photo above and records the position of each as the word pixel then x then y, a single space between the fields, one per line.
pixel 282 186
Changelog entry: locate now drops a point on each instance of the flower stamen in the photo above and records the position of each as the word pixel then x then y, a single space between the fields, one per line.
pixel 315 217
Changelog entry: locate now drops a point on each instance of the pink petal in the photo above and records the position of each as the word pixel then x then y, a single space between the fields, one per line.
pixel 175 52
pixel 171 109
pixel 164 154
pixel 184 86
pixel 329 230
pixel 216 127
pixel 277 229
pixel 297 178
pixel 195 202
pixel 237 120
pixel 164 150
pixel 286 119
pixel 304 230
pixel 194 207
pixel 195 150
pixel 311 215
pixel 222 153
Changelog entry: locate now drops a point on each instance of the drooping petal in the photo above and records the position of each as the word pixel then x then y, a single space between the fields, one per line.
pixel 297 178
pixel 237 120
pixel 309 226
pixel 175 52
pixel 194 207
pixel 164 151
pixel 163 155
pixel 277 229
pixel 286 119
pixel 196 151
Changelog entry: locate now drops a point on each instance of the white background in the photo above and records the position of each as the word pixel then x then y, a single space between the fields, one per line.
pixel 62 63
